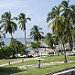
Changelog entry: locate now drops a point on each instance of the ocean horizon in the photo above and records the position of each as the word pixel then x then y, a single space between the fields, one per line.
pixel 22 40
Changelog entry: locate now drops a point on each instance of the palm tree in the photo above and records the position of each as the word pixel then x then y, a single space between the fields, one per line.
pixel 49 40
pixel 8 24
pixel 69 16
pixel 35 33
pixel 22 23
pixel 58 24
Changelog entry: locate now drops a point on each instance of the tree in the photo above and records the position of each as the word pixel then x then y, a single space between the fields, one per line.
pixel 22 23
pixel 2 35
pixel 49 40
pixel 8 51
pixel 36 33
pixel 8 24
pixel 19 46
pixel 69 17
pixel 58 24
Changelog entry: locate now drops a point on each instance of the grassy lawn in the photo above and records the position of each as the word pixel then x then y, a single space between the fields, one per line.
pixel 10 69
pixel 48 60
pixel 46 69
pixel 4 61
pixel 58 58
pixel 29 62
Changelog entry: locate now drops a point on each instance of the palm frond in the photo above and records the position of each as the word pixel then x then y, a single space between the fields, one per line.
pixel 28 18
pixel 51 24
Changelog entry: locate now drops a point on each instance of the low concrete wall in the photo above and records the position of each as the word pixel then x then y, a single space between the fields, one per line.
pixel 67 71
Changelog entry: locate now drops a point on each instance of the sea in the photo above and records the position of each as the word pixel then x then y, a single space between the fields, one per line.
pixel 7 40
pixel 22 40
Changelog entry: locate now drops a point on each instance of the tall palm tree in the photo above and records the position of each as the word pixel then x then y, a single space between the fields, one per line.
pixel 22 23
pixel 58 24
pixel 69 14
pixel 49 40
pixel 8 24
pixel 36 33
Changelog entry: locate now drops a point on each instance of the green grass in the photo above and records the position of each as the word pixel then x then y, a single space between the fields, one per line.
pixel 4 61
pixel 10 69
pixel 47 69
pixel 58 58
pixel 48 60
pixel 29 62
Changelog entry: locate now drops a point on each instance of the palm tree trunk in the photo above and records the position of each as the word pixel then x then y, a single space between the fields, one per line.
pixel 25 37
pixel 14 47
pixel 25 44
pixel 69 44
pixel 72 37
pixel 65 61
pixel 61 46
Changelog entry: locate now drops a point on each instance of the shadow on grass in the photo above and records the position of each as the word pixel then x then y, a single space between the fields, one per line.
pixel 9 70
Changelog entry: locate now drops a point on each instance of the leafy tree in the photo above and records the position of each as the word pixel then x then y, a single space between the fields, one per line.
pixel 36 33
pixel 19 46
pixel 7 51
pixel 35 44
pixel 22 22
pixel 58 24
pixel 49 40
pixel 8 24
pixel 69 17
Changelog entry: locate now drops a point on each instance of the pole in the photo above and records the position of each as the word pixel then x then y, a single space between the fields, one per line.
pixel 38 63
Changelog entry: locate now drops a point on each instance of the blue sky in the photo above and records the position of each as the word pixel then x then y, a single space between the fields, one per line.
pixel 37 10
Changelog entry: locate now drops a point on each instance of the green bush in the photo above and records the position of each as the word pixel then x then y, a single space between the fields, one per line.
pixel 35 44
pixel 5 52
pixel 15 47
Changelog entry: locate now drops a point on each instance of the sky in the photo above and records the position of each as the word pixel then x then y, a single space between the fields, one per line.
pixel 37 10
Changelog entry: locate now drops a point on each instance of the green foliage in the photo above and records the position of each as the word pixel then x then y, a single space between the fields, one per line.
pixel 35 44
pixel 5 52
pixel 14 48
pixel 17 47
pixel 7 23
pixel 35 33
pixel 22 21
pixel 49 40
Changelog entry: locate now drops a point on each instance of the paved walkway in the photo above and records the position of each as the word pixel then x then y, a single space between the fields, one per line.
pixel 21 61
pixel 44 64
pixel 35 65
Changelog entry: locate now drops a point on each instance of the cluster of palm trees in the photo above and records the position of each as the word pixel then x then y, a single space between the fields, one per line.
pixel 9 26
pixel 63 19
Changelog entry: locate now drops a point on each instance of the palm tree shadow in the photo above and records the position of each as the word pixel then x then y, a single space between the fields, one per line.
pixel 9 70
